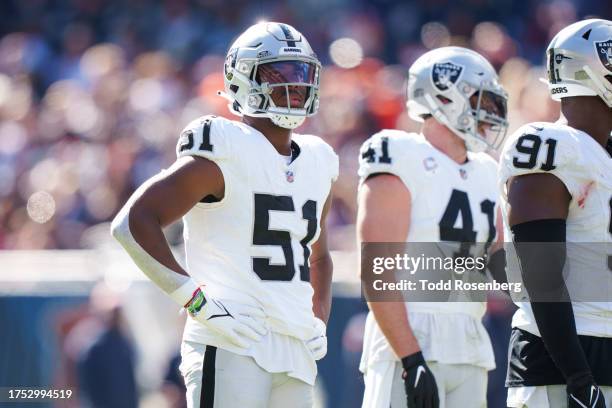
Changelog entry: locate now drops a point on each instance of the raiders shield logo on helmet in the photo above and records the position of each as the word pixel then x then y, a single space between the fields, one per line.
pixel 445 74
pixel 604 51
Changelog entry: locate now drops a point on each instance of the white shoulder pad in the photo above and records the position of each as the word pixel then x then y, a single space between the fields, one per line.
pixel 208 137
pixel 324 152
pixel 542 147
pixel 390 151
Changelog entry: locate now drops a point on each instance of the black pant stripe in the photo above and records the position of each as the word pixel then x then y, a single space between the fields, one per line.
pixel 207 396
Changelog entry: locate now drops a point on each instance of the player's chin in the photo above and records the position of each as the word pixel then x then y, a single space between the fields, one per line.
pixel 297 103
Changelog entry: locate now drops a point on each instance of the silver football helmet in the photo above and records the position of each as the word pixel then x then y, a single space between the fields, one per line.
pixel 460 89
pixel 579 61
pixel 271 71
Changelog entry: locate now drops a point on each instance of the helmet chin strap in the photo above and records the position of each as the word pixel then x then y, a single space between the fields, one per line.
pixel 230 104
pixel 225 96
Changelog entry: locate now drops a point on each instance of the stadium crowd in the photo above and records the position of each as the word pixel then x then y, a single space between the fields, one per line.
pixel 93 94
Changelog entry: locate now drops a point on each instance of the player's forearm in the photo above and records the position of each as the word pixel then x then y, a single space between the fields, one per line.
pixel 540 246
pixel 321 271
pixel 147 231
pixel 151 253
pixel 392 319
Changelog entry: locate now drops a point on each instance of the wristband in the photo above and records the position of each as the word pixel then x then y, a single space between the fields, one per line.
pixel 413 360
pixel 579 380
pixel 196 303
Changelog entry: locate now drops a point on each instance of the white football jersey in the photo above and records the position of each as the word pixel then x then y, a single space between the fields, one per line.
pixel 252 247
pixel 584 167
pixel 449 202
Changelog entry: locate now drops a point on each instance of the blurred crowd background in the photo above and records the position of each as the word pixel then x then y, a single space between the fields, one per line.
pixel 94 93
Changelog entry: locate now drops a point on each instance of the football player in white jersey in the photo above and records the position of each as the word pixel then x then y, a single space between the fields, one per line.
pixel 253 197
pixel 556 184
pixel 435 186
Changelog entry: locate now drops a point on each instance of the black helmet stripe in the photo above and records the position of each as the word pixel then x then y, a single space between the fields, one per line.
pixel 552 78
pixel 288 36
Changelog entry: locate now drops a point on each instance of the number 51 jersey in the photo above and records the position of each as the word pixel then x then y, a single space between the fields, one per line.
pixel 252 247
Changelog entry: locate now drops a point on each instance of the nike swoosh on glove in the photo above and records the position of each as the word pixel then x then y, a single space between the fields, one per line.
pixel 589 396
pixel 318 344
pixel 419 383
pixel 242 327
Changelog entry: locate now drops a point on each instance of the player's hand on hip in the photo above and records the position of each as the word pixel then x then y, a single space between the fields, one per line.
pixel 242 326
pixel 318 344
pixel 586 396
pixel 419 382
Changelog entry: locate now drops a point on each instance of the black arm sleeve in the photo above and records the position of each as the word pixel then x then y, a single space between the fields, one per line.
pixel 497 265
pixel 540 245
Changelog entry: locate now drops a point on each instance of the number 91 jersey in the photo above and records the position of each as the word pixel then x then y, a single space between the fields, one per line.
pixel 252 246
pixel 584 167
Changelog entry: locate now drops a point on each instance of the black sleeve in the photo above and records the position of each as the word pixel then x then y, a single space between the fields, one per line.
pixel 540 245
pixel 497 265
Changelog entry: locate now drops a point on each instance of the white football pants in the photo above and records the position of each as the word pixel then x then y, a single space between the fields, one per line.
pixel 459 385
pixel 216 378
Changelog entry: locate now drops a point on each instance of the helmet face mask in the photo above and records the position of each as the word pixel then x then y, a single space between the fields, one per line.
pixel 460 89
pixel 490 110
pixel 271 71
pixel 579 61
pixel 287 85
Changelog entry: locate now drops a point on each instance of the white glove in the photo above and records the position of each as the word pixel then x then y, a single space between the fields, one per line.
pixel 241 327
pixel 318 344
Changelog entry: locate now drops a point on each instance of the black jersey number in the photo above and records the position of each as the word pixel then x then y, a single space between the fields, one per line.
pixel 459 206
pixel 205 145
pixel 530 145
pixel 263 235
pixel 369 155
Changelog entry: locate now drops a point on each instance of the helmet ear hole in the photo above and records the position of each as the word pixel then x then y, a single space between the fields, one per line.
pixel 234 88
pixel 255 101
pixel 466 121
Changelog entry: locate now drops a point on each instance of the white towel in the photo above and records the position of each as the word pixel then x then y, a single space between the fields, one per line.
pixel 378 379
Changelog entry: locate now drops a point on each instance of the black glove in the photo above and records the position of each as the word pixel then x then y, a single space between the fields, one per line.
pixel 584 393
pixel 419 382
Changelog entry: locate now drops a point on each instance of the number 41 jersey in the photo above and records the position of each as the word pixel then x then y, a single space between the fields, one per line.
pixel 450 202
pixel 252 247
pixel 585 169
